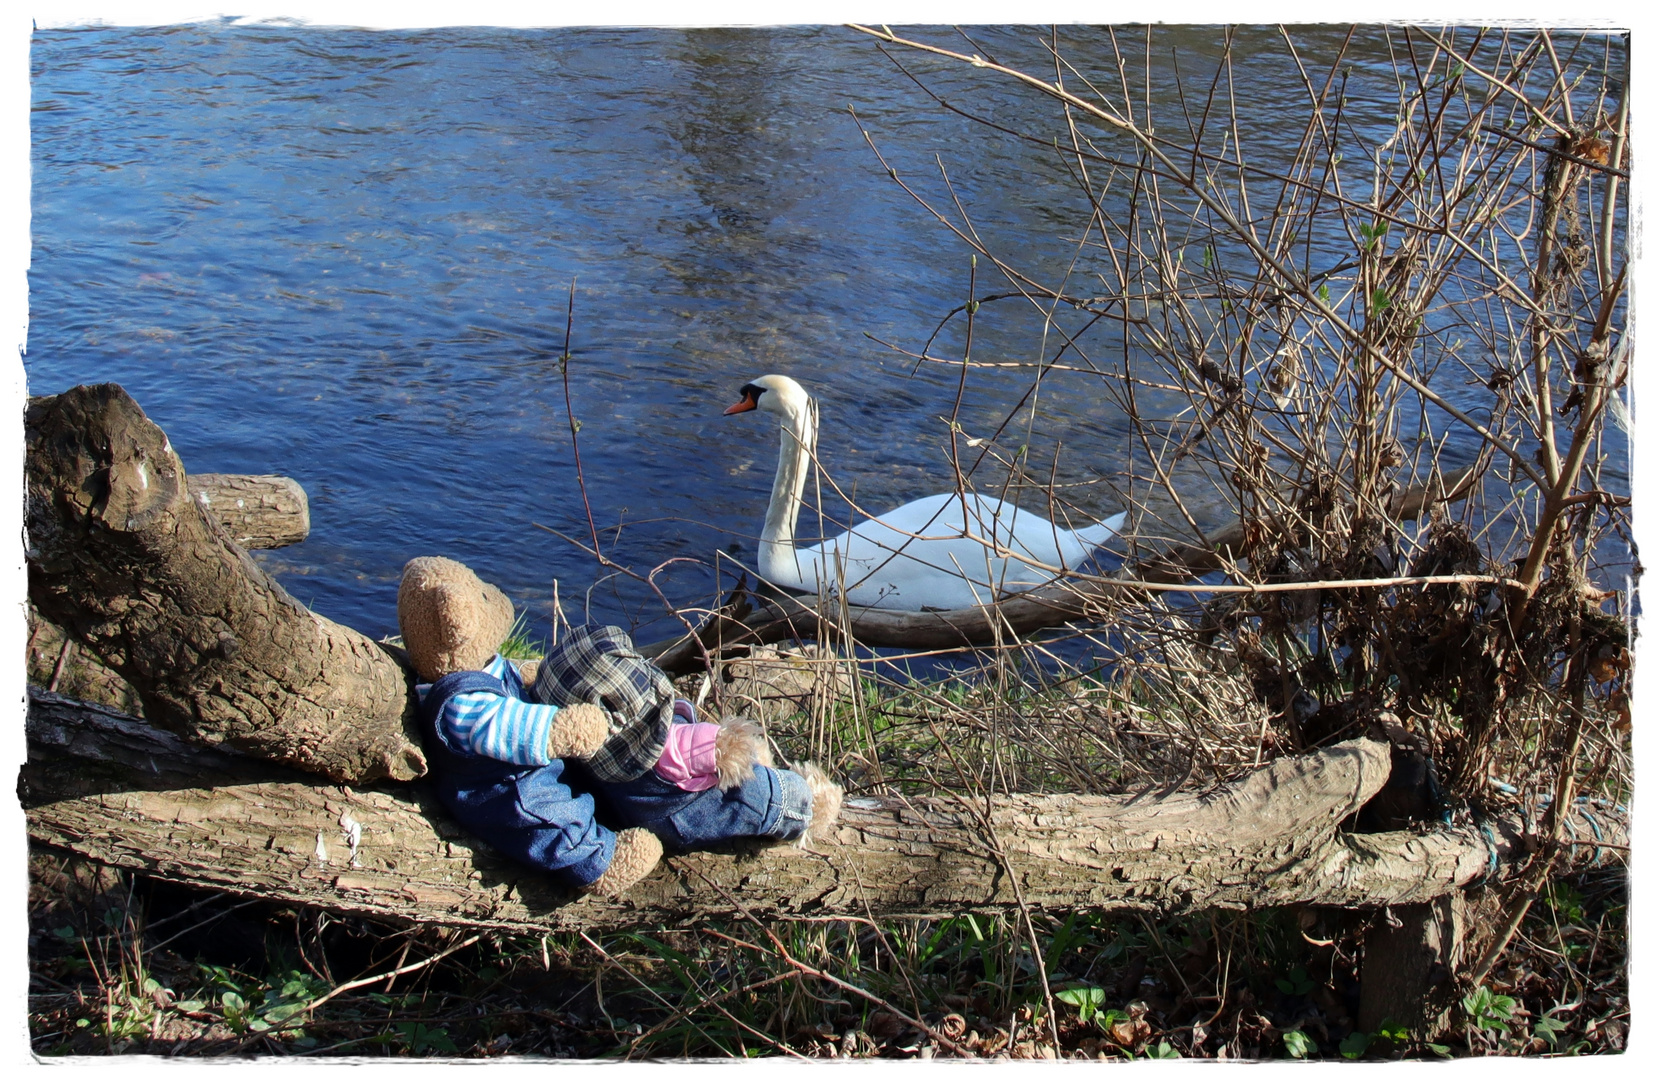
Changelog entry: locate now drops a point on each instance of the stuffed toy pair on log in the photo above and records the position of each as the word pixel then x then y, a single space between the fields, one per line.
pixel 584 764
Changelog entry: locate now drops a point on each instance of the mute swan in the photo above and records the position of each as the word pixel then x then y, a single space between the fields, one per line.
pixel 930 554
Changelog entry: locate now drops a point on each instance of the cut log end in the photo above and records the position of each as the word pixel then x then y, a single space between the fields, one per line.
pixel 256 511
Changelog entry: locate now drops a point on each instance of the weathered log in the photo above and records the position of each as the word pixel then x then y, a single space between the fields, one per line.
pixel 225 821
pixel 57 662
pixel 767 616
pixel 127 563
pixel 257 511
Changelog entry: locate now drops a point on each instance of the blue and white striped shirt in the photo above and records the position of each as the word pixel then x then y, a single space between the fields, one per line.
pixel 504 728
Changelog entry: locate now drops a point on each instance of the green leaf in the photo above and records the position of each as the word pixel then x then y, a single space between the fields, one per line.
pixel 190 1005
pixel 67 933
pixel 1298 1044
pixel 1440 1048
pixel 1353 1047
pixel 1548 1029
pixel 1112 1017
pixel 1087 1000
pixel 232 1001
pixel 1162 1050
pixel 1393 1031
pixel 1324 293
pixel 422 1037
pixel 1297 984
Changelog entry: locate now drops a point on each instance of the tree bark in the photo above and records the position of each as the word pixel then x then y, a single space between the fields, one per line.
pixel 767 615
pixel 1411 959
pixel 122 793
pixel 129 566
pixel 257 511
pixel 59 663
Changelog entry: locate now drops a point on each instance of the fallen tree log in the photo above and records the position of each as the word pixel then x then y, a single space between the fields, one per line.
pixel 257 511
pixel 120 792
pixel 767 615
pixel 127 563
pixel 57 662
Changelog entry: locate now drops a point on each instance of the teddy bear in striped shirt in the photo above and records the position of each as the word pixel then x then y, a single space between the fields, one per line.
pixel 585 763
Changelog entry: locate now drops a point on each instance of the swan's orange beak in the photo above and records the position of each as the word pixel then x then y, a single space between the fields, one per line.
pixel 748 402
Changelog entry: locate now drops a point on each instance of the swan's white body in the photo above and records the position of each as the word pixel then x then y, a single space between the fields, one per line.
pixel 935 553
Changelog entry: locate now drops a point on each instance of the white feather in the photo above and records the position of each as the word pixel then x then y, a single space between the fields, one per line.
pixel 938 552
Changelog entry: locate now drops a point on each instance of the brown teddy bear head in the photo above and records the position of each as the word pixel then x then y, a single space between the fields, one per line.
pixel 451 621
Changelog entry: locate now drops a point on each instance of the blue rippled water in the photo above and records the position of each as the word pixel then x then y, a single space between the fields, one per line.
pixel 346 256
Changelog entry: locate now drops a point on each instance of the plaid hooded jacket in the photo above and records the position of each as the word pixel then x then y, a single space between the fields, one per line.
pixel 598 665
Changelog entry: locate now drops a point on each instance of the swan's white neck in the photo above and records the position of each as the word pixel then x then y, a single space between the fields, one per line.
pixel 779 561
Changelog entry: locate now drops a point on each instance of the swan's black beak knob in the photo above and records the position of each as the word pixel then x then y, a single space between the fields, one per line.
pixel 751 400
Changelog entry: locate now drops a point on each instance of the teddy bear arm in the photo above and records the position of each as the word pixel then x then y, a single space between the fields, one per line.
pixel 577 731
pixel 739 747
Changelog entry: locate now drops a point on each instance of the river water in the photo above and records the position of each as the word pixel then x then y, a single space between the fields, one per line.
pixel 346 256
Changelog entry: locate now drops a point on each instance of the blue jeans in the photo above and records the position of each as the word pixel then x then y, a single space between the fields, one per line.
pixel 529 814
pixel 774 804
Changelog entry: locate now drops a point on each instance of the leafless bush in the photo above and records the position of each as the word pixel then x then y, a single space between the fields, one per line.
pixel 1301 331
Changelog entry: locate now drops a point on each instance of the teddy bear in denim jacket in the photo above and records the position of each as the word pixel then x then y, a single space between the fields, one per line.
pixel 529 758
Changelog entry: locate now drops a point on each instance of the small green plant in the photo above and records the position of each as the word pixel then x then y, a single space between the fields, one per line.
pixel 1297 1044
pixel 1087 1000
pixel 1353 1047
pixel 1548 1029
pixel 237 1013
pixel 422 1039
pixel 1111 1018
pixel 1488 1011
pixel 1297 984
pixel 281 1002
pixel 1566 902
pixel 1395 1034
pixel 1162 1050
pixel 519 645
